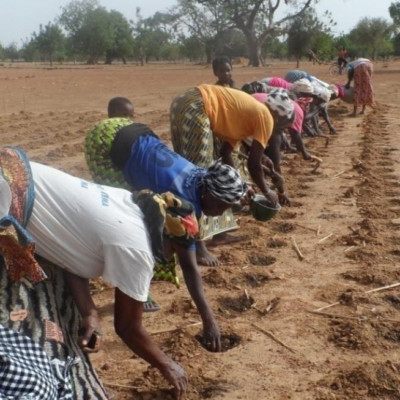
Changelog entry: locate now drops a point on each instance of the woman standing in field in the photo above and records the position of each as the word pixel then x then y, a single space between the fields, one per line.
pixel 208 122
pixel 361 71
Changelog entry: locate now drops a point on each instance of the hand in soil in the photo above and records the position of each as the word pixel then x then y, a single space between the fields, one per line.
pixel 177 377
pixel 212 337
pixel 271 198
pixel 284 199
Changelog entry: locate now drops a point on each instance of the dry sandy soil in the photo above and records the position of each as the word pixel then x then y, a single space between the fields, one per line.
pixel 344 218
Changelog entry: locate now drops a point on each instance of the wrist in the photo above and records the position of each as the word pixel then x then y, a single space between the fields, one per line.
pixel 209 320
pixel 164 365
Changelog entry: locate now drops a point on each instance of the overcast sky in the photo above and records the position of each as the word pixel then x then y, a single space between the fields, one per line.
pixel 20 18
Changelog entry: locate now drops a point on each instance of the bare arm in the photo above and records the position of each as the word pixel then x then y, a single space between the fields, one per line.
pixel 194 283
pixel 350 76
pixel 79 289
pixel 128 325
pixel 254 164
pixel 226 154
pixel 325 116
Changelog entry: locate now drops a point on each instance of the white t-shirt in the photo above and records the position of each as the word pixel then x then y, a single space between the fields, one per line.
pixel 91 230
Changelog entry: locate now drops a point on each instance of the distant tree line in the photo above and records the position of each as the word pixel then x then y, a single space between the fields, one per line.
pixel 198 30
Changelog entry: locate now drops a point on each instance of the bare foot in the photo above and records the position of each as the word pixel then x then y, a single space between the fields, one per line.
pixel 203 256
pixel 223 238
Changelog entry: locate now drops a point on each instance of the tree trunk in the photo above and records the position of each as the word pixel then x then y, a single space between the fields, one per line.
pixel 254 50
pixel 92 60
pixel 209 55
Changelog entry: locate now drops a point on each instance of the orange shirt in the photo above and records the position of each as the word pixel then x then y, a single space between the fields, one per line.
pixel 235 115
pixel 342 53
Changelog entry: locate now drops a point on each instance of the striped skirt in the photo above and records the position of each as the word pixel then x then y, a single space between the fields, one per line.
pixel 193 139
pixel 52 321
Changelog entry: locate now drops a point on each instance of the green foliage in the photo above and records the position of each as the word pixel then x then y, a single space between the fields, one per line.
pixel 191 48
pixel 232 43
pixel 307 32
pixel 396 44
pixel 371 36
pixel 95 32
pixel 258 20
pixel 74 14
pixel 49 42
pixel 11 52
pixel 324 46
pixel 394 11
pixel 122 46
pixel 206 21
pixel 152 35
pixel 274 48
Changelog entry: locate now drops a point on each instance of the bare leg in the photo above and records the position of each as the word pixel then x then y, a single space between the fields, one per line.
pixel 204 257
pixel 363 110
pixel 354 113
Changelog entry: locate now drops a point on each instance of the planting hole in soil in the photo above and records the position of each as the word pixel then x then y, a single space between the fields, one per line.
pixel 261 260
pixel 228 341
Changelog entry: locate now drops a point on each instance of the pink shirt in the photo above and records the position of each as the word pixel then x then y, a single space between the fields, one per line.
pixel 277 82
pixel 298 112
pixel 298 118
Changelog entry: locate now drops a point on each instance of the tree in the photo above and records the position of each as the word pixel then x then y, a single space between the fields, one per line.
pixel 11 52
pixel 122 46
pixel 257 20
pixel 73 17
pixel 95 32
pixel 324 46
pixel 151 35
pixel 49 41
pixel 205 21
pixel 307 32
pixel 394 11
pixel 96 35
pixel 191 48
pixel 372 37
pixel 274 47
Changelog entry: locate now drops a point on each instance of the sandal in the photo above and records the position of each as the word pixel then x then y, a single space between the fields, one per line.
pixel 150 305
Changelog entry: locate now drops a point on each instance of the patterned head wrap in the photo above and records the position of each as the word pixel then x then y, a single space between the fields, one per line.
pixel 322 93
pixel 279 102
pixel 255 87
pixel 98 145
pixel 224 182
pixel 302 86
pixel 169 215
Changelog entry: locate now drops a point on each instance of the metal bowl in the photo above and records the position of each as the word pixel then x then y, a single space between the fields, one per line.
pixel 261 210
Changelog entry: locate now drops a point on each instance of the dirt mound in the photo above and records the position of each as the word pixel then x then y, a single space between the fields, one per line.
pixel 368 380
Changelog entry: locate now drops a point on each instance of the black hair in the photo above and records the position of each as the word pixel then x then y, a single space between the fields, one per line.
pixel 116 104
pixel 219 61
pixel 252 87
